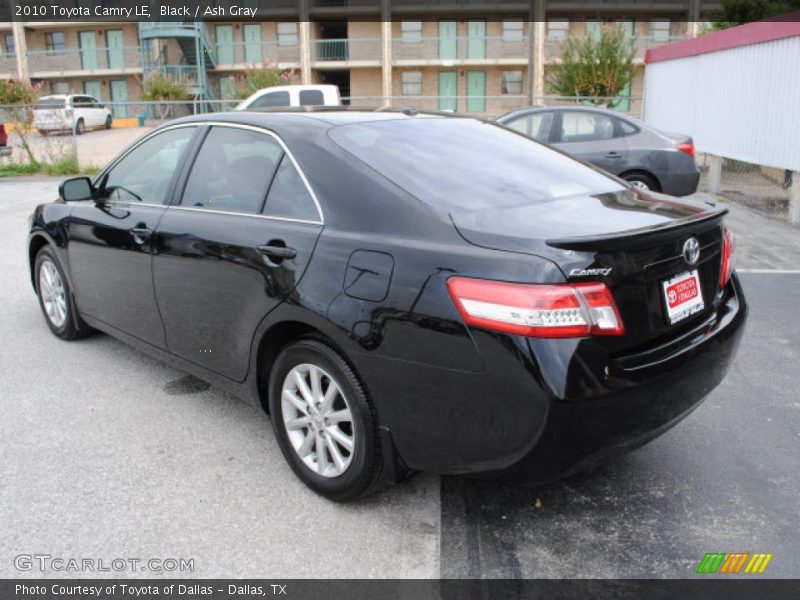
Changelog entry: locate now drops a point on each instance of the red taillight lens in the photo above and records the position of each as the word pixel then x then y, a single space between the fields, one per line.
pixel 688 148
pixel 727 259
pixel 532 310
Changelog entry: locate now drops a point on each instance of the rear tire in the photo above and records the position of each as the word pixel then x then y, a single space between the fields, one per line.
pixel 333 447
pixel 56 299
pixel 80 127
pixel 642 181
pixel 109 120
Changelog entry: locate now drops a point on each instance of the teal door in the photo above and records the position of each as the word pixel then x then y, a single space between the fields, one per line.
pixel 115 49
pixel 119 93
pixel 476 91
pixel 448 91
pixel 252 43
pixel 448 40
pixel 93 89
pixel 476 39
pixel 88 43
pixel 225 44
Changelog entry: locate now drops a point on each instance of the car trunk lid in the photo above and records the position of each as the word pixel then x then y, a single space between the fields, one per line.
pixel 630 241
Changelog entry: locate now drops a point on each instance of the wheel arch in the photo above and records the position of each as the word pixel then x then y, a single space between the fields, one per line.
pixel 37 242
pixel 646 173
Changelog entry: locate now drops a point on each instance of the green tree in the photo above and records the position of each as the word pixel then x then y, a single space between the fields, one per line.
pixel 16 106
pixel 737 12
pixel 597 67
pixel 163 89
pixel 264 77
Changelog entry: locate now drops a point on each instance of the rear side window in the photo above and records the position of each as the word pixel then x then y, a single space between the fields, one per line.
pixel 232 171
pixel 579 126
pixel 457 163
pixel 311 98
pixel 627 128
pixel 288 197
pixel 535 125
pixel 271 100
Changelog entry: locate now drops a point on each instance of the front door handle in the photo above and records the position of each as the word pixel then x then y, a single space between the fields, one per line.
pixel 275 251
pixel 141 234
pixel 613 154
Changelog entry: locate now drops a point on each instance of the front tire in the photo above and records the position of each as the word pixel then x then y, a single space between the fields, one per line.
pixel 80 127
pixel 109 120
pixel 325 426
pixel 55 298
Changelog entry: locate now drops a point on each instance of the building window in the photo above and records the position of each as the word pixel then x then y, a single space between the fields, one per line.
pixel 659 30
pixel 287 34
pixel 511 82
pixel 54 42
pixel 411 32
pixel 412 83
pixel 11 49
pixel 513 30
pixel 557 30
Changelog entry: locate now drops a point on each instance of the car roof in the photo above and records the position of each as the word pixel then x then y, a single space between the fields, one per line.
pixel 566 107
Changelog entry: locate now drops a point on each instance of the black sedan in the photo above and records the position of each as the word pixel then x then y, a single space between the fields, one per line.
pixel 400 292
pixel 626 147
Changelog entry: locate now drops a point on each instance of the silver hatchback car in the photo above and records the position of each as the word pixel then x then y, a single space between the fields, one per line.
pixel 623 146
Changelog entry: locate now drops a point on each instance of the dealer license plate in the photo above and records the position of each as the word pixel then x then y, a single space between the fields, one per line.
pixel 682 296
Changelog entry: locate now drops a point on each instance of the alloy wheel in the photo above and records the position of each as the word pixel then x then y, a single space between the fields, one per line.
pixel 318 421
pixel 639 185
pixel 54 297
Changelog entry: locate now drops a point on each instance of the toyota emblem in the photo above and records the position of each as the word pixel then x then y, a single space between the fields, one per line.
pixel 691 251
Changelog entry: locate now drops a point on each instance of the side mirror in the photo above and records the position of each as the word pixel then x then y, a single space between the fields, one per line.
pixel 77 188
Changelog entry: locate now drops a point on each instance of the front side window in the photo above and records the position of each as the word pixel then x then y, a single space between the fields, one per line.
pixel 271 100
pixel 54 42
pixel 511 82
pixel 232 171
pixel 144 174
pixel 579 126
pixel 411 32
pixel 412 83
pixel 535 125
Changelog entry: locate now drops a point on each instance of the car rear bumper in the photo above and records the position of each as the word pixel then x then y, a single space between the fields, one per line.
pixel 680 184
pixel 521 420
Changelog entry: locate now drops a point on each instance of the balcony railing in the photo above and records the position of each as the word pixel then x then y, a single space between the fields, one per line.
pixel 257 53
pixel 186 74
pixel 351 49
pixel 8 64
pixel 460 48
pixel 88 60
pixel 554 49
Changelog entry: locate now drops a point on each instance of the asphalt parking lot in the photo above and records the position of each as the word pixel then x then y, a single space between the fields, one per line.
pixel 108 453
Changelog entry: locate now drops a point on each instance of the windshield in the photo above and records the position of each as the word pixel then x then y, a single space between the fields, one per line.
pixel 50 103
pixel 468 164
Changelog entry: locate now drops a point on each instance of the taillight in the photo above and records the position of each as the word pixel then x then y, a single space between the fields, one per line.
pixel 533 310
pixel 688 148
pixel 726 268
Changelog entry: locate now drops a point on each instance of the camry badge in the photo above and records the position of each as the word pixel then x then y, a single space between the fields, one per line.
pixel 691 251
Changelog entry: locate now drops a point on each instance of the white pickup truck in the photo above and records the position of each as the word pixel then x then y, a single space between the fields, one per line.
pixel 284 96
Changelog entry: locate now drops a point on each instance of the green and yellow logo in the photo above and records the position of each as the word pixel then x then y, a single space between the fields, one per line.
pixel 734 563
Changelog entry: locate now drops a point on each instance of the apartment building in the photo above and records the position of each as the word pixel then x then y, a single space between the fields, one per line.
pixel 463 58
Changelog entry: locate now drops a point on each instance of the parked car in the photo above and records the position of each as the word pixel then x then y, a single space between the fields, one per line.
pixel 285 96
pixel 70 113
pixel 5 149
pixel 624 146
pixel 399 291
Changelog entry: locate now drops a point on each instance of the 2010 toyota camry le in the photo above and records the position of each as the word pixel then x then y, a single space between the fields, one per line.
pixel 400 291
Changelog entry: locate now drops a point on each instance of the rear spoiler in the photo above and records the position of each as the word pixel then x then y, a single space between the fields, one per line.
pixel 654 234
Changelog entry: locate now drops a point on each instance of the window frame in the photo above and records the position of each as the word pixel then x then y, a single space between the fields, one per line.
pixel 50 43
pixel 403 83
pixel 557 34
pixel 11 49
pixel 530 114
pixel 410 36
pixel 558 129
pixel 504 82
pixel 287 39
pixel 515 33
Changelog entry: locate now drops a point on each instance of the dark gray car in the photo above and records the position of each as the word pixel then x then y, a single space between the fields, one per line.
pixel 624 146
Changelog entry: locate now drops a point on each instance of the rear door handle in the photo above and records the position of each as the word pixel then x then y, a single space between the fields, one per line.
pixel 141 234
pixel 279 252
pixel 613 154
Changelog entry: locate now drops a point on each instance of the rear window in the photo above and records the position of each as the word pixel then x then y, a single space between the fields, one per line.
pixel 311 98
pixel 468 164
pixel 50 103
